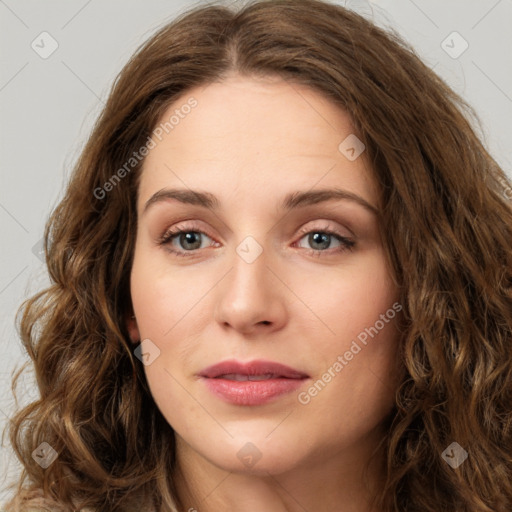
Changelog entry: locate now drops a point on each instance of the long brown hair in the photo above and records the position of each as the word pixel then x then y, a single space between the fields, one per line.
pixel 447 229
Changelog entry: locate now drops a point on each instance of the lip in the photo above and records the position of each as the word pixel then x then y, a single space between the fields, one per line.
pixel 283 380
pixel 257 367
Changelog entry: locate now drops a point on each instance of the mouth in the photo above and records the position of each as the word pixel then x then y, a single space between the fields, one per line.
pixel 254 383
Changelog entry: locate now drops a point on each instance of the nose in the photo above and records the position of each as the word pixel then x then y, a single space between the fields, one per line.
pixel 251 297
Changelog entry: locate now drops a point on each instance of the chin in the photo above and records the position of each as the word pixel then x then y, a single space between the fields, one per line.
pixel 257 456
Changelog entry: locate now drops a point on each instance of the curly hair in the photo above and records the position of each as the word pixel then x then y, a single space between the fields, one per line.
pixel 447 229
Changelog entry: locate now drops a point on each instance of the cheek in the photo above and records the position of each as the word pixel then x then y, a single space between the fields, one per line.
pixel 357 356
pixel 358 366
pixel 159 297
pixel 348 299
pixel 161 302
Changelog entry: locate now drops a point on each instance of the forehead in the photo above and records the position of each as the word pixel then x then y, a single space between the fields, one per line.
pixel 251 134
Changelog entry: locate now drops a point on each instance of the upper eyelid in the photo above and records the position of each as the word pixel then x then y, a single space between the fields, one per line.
pixel 170 233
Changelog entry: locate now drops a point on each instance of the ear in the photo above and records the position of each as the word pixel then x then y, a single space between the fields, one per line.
pixel 133 330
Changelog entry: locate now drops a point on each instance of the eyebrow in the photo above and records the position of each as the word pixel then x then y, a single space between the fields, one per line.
pixel 291 201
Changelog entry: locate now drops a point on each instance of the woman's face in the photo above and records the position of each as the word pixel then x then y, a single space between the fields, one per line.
pixel 280 259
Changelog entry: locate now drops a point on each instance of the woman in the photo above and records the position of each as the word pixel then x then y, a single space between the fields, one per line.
pixel 256 369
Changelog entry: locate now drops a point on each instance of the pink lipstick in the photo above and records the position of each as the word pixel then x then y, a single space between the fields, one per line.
pixel 252 383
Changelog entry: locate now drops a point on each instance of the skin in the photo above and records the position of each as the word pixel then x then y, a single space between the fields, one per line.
pixel 250 142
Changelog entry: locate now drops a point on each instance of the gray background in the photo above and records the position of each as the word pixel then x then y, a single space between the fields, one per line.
pixel 48 105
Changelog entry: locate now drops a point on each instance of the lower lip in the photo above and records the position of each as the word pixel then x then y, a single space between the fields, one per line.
pixel 251 392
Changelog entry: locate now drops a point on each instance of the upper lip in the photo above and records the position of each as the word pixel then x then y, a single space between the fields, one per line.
pixel 259 367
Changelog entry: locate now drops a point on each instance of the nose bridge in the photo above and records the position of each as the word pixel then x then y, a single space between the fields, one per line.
pixel 250 250
pixel 249 268
pixel 248 296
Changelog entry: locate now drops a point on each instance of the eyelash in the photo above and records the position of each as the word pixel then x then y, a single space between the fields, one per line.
pixel 167 237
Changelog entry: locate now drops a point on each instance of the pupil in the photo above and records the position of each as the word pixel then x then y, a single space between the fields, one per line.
pixel 188 238
pixel 320 238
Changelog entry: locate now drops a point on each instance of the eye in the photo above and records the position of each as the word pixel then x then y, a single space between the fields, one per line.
pixel 185 240
pixel 322 239
pixel 188 239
